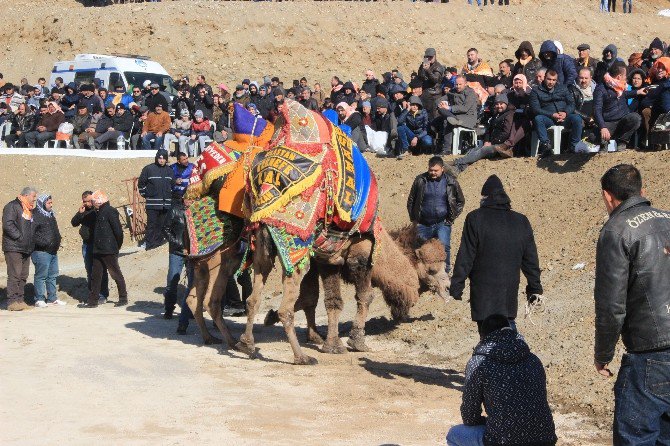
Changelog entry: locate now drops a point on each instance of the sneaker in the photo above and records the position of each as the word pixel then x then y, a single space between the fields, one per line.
pixel 102 300
pixel 401 156
pixel 143 246
pixel 41 304
pixel 58 302
pixel 87 305
pixel 18 306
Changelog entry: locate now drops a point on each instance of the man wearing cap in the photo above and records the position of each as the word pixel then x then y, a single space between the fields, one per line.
pixel 584 59
pixel 155 185
pixel 430 75
pixel 496 246
pixel 121 125
pixel 155 97
pixel 241 96
pixel 499 138
pixel 157 124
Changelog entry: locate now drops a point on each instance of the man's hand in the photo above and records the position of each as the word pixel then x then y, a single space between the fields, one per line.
pixel 603 370
pixel 143 134
pixel 193 137
pixel 555 116
pixel 426 65
pixel 177 134
pixel 414 142
pixel 82 209
pixel 179 180
pixel 111 129
pixel 487 144
pixel 605 134
pixel 19 133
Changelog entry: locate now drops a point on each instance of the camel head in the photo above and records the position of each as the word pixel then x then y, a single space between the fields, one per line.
pixel 431 263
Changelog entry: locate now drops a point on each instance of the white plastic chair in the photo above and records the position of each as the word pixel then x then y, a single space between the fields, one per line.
pixel 556 131
pixel 456 140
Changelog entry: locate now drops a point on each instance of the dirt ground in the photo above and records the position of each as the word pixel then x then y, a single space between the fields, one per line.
pixel 123 375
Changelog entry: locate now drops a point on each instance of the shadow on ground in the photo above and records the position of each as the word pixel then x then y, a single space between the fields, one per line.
pixel 448 378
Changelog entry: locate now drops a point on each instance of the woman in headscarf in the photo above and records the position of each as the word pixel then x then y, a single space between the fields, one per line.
pixel 45 256
pixel 519 96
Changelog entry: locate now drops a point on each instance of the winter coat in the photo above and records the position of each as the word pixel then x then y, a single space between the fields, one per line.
pixel 510 382
pixel 564 65
pixel 632 273
pixel 604 65
pixel 418 123
pixel 183 173
pixel 108 233
pixel 370 86
pixel 17 232
pixel 47 235
pixel 104 123
pixel 51 121
pixel 500 126
pixel 586 112
pixel 205 104
pixel 86 222
pixel 155 185
pixel 264 105
pixel 93 103
pixel 123 123
pixel 496 244
pixel 180 103
pixel 309 104
pixel 463 105
pixel 530 68
pixel 80 123
pixel 662 103
pixel 519 101
pixel 23 123
pixel 156 123
pixel 545 102
pixel 152 100
pixel 455 198
pixel 607 107
pixel 431 79
pixel 175 227
pixel 389 124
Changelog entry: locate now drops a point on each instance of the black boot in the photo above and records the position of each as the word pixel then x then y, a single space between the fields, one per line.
pixel 544 150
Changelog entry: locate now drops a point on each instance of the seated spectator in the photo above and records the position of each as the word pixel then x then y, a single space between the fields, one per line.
pixel 92 101
pixel 366 113
pixel 458 108
pixel 205 103
pixel 44 90
pixel 497 138
pixel 348 93
pixel 510 382
pixel 661 69
pixel 582 92
pixel 155 97
pixel 475 65
pixel 119 96
pixel 241 96
pixel 119 124
pixel 23 122
pixel 318 94
pixel 519 98
pixel 650 105
pixel 201 134
pixel 33 97
pixel 180 132
pixel 137 96
pixel 489 106
pixel 307 100
pixel 89 135
pixel 527 64
pixel 386 122
pixel 609 58
pixel 57 96
pixel 349 116
pixel 370 83
pixel 519 94
pixel 610 109
pixel 140 115
pixel 504 75
pixel 157 124
pixel 636 81
pixel 655 51
pixel 70 100
pixel 560 63
pixel 539 77
pixel 584 59
pixel 11 97
pixel 46 127
pixel 80 123
pixel 413 128
pixel 552 104
pixel 104 95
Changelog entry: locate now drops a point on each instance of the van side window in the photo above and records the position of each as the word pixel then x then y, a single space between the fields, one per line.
pixel 114 80
pixel 84 77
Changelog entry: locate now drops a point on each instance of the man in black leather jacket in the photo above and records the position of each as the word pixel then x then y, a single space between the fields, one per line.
pixel 632 299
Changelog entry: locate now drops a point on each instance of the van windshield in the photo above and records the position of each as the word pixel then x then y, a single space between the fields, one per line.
pixel 137 79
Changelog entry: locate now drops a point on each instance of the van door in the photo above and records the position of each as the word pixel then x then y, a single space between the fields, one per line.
pixel 84 77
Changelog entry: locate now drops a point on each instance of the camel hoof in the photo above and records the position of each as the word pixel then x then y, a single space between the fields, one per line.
pixel 213 340
pixel 249 349
pixel 314 337
pixel 334 346
pixel 305 360
pixel 358 345
pixel 271 318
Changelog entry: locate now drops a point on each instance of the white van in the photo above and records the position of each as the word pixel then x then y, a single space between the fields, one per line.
pixel 126 69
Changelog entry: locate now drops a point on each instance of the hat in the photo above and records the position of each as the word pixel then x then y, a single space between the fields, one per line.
pixel 382 103
pixel 161 153
pixel 656 43
pixel 223 86
pixel 144 109
pixel 154 85
pixel 583 46
pixel 262 87
pixel 120 106
pixel 492 186
pixel 502 97
pixel 246 81
pixel 158 105
pixel 415 83
pixel 81 105
pixel 199 114
pixel 86 87
pixel 146 83
pixel 251 104
pixel 430 52
pixel 415 100
pixel 239 87
pixel 184 112
pixel 366 104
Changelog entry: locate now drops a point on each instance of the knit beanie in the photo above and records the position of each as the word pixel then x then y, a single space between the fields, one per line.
pixel 492 186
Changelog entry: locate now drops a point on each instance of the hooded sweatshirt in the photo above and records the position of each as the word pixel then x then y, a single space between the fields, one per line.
pixel 510 382
pixel 527 67
pixel 604 65
pixel 562 64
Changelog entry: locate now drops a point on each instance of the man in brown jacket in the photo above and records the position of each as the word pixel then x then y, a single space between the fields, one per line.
pixel 47 126
pixel 155 127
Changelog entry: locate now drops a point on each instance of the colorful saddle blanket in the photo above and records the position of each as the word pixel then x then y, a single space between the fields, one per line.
pixel 209 229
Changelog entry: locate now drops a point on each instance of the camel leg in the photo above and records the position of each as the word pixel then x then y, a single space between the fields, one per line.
pixel 330 275
pixel 196 298
pixel 307 301
pixel 364 296
pixel 216 291
pixel 263 264
pixel 287 314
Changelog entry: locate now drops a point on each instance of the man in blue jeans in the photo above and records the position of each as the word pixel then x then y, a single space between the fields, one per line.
pixel 413 125
pixel 552 104
pixel 434 202
pixel 632 300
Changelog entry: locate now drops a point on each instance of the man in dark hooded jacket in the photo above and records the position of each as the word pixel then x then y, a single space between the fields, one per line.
pixel 609 58
pixel 155 185
pixel 430 74
pixel 510 382
pixel 564 65
pixel 496 244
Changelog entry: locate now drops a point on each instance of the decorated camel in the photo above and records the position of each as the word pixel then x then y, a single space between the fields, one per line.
pixel 312 198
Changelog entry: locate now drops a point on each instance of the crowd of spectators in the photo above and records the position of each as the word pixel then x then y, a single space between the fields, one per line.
pixel 596 101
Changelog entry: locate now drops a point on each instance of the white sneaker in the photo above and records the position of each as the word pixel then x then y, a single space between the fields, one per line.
pixel 41 304
pixel 102 300
pixel 58 302
pixel 143 246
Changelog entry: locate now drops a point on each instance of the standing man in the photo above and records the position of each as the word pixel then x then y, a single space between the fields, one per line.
pixel 45 255
pixel 155 185
pixel 631 301
pixel 17 244
pixel 430 76
pixel 85 218
pixel 434 202
pixel 107 240
pixel 496 244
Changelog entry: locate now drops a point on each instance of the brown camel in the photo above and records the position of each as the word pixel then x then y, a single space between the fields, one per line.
pixel 399 276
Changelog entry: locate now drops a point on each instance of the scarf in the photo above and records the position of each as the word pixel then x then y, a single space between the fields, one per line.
pixel 587 93
pixel 618 86
pixel 41 205
pixel 27 207
pixel 523 79
pixel 99 197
